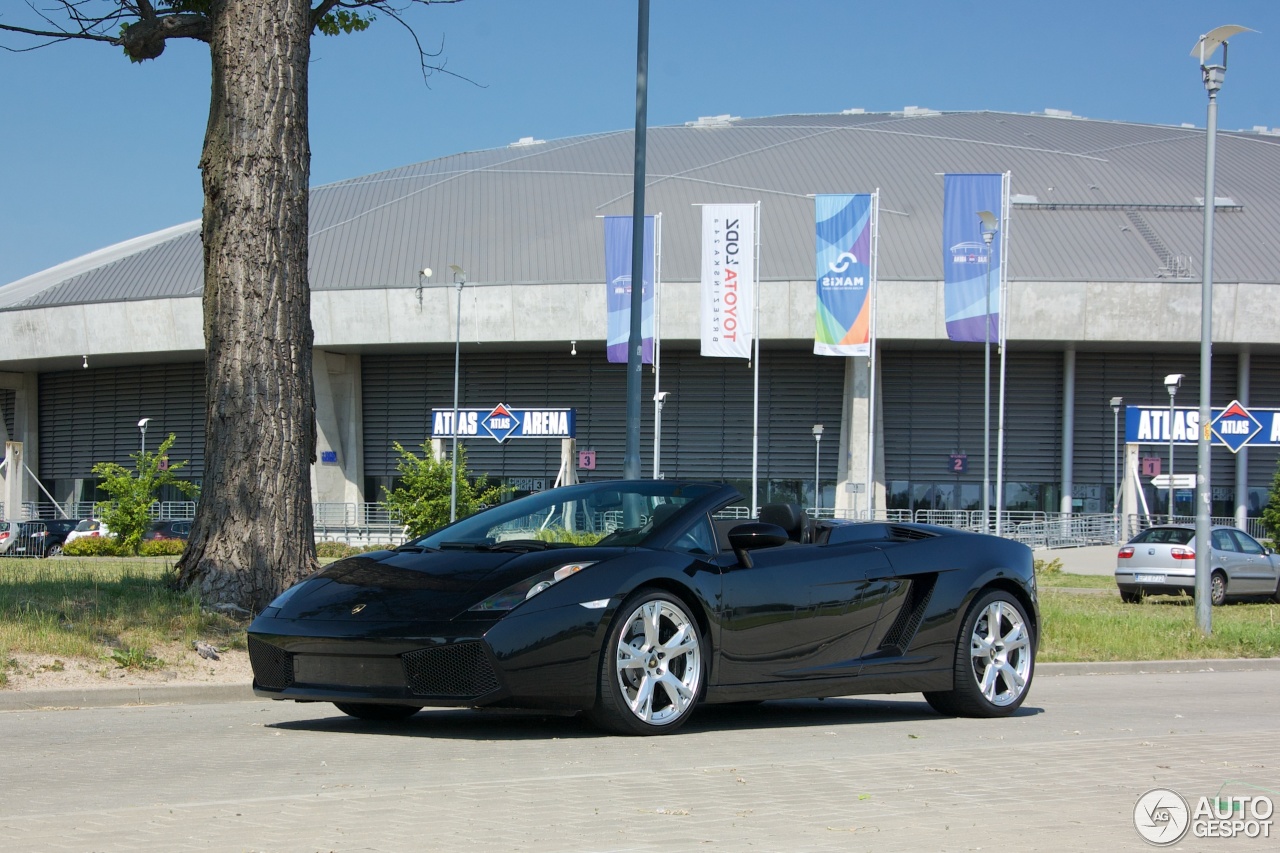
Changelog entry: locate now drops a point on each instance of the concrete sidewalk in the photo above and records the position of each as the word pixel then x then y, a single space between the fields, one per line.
pixel 1090 560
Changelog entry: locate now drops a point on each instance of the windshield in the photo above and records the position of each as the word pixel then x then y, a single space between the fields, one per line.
pixel 614 513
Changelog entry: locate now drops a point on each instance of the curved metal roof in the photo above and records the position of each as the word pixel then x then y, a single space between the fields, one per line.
pixel 1093 201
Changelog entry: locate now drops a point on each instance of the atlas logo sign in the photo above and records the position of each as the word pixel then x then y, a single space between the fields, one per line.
pixel 1235 427
pixel 503 422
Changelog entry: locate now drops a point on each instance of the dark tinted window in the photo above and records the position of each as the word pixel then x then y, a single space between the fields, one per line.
pixel 1165 536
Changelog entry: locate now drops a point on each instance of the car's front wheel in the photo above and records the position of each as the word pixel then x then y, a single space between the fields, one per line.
pixel 652 666
pixel 995 660
pixel 374 711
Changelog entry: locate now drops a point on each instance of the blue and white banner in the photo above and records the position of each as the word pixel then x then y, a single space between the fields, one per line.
pixel 1232 426
pixel 728 279
pixel 844 226
pixel 617 277
pixel 971 270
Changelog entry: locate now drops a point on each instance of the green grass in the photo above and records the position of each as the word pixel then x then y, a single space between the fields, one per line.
pixel 113 609
pixel 1092 627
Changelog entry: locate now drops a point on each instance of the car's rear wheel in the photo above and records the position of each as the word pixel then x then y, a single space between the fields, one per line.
pixel 374 711
pixel 1218 589
pixel 651 667
pixel 55 551
pixel 995 660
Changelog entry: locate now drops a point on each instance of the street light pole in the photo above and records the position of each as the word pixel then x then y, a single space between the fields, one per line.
pixel 817 466
pixel 1172 382
pixel 459 279
pixel 1116 402
pixel 1213 76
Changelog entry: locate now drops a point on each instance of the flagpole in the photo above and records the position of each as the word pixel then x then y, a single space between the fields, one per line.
pixel 871 358
pixel 658 397
pixel 1004 337
pixel 755 392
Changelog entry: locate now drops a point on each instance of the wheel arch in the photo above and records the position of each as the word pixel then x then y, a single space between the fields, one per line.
pixel 1018 592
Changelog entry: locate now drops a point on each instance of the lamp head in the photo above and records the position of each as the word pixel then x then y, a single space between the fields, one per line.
pixel 459 274
pixel 817 432
pixel 425 272
pixel 1173 382
pixel 1116 402
pixel 142 424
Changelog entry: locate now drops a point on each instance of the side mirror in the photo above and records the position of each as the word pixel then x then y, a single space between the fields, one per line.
pixel 753 535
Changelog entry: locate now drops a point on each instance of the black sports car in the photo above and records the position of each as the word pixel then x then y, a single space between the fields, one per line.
pixel 635 601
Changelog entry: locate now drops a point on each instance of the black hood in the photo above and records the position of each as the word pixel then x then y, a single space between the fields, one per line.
pixel 426 586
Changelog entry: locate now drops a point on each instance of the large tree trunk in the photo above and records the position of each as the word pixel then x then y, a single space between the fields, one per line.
pixel 260 425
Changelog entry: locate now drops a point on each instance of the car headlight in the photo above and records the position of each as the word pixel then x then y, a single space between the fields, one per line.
pixel 527 588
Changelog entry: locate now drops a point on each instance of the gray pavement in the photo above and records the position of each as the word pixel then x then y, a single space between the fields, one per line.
pixel 1090 560
pixel 882 773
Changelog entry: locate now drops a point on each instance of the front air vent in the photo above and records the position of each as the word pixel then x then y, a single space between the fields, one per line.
pixel 272 665
pixel 904 628
pixel 455 671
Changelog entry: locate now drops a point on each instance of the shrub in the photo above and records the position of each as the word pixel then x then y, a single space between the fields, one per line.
pixel 127 514
pixel 162 548
pixel 333 550
pixel 1047 567
pixel 92 546
pixel 426 489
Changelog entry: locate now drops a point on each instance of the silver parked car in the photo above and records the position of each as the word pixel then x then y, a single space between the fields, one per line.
pixel 1162 561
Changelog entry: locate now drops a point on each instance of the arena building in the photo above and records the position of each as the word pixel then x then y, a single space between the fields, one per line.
pixel 1104 250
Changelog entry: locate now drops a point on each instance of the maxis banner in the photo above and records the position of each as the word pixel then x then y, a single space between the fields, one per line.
pixel 1233 426
pixel 843 228
pixel 971 270
pixel 617 278
pixel 503 422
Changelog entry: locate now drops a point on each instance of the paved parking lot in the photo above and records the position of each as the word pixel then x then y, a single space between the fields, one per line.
pixel 849 774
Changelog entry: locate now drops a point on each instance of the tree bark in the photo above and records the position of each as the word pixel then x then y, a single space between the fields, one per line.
pixel 260 423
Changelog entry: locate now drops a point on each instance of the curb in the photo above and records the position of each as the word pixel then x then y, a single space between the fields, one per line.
pixel 209 694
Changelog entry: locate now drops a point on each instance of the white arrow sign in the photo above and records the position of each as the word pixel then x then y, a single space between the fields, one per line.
pixel 1180 481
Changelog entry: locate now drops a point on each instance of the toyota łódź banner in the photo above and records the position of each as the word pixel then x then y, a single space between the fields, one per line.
pixel 728 279
pixel 617 277
pixel 844 227
pixel 966 277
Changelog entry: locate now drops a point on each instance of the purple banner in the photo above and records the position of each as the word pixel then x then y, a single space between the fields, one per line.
pixel 617 278
pixel 971 268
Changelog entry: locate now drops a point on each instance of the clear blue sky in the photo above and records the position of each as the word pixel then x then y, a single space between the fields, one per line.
pixel 95 150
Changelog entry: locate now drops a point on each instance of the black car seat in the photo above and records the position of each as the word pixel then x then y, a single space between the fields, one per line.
pixel 791 518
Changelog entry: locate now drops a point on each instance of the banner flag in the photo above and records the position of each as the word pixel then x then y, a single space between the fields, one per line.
pixel 971 272
pixel 728 279
pixel 617 277
pixel 844 229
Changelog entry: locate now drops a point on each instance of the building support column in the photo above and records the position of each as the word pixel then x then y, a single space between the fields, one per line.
pixel 852 489
pixel 18 486
pixel 1242 456
pixel 1066 503
pixel 338 474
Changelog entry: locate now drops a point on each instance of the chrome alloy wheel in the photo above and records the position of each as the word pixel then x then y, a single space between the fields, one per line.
pixel 659 662
pixel 1000 652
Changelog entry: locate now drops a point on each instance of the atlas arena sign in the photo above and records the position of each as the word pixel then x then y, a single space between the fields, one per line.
pixel 1232 426
pixel 503 422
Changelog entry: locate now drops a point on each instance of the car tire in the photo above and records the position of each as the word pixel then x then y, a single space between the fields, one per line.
pixel 995 660
pixel 652 666
pixel 1217 589
pixel 1130 597
pixel 375 711
pixel 55 551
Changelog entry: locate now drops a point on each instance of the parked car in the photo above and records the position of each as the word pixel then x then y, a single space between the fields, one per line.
pixel 1162 561
pixel 668 607
pixel 88 527
pixel 42 538
pixel 7 529
pixel 171 529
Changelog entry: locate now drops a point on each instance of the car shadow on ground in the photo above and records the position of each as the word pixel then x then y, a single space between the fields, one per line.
pixel 517 725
